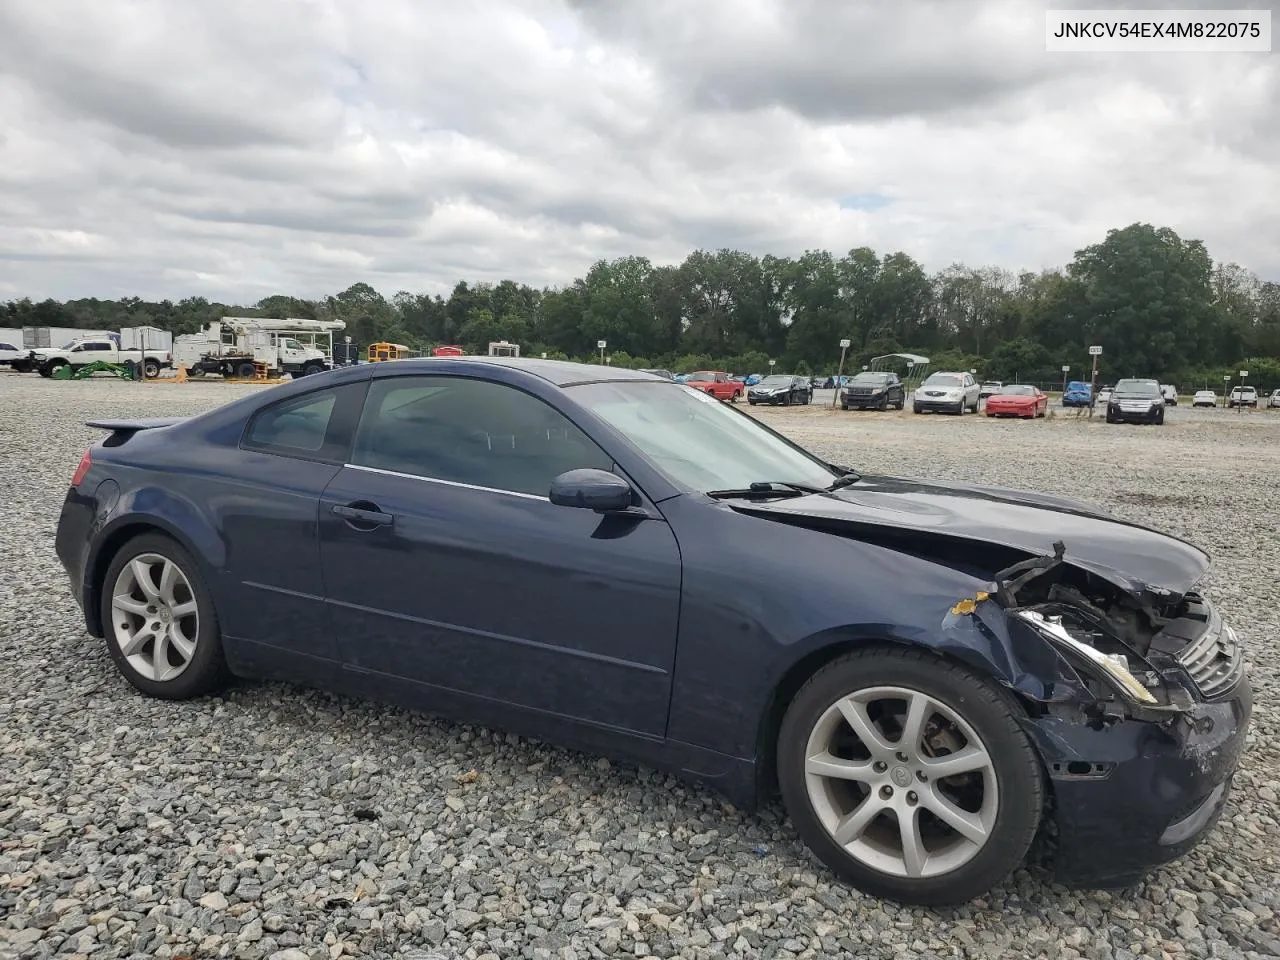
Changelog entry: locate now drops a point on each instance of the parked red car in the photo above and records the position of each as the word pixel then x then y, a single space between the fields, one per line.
pixel 1017 400
pixel 719 384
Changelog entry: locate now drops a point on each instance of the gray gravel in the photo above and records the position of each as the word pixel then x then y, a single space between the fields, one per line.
pixel 274 822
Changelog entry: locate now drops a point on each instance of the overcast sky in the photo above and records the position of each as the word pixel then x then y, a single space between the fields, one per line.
pixel 236 148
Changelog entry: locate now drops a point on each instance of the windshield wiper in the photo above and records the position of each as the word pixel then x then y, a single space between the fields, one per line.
pixel 761 489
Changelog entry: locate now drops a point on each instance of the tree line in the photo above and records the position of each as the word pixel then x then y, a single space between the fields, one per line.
pixel 1158 305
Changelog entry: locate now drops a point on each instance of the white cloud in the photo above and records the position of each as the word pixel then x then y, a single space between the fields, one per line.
pixel 243 148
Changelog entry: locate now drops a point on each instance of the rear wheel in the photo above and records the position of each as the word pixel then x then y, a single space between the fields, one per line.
pixel 245 370
pixel 161 628
pixel 909 776
pixel 150 369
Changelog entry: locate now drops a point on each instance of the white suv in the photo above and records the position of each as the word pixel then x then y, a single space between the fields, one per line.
pixel 952 392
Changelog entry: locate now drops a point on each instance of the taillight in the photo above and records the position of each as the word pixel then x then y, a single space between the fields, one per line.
pixel 85 463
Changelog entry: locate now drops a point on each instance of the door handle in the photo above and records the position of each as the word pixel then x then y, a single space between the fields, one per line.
pixel 364 516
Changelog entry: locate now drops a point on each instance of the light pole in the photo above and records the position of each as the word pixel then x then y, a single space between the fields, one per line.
pixel 1226 388
pixel 1240 405
pixel 600 345
pixel 844 349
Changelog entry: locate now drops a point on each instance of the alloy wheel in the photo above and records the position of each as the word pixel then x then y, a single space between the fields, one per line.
pixel 901 781
pixel 155 617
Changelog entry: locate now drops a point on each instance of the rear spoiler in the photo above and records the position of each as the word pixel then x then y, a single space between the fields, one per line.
pixel 122 430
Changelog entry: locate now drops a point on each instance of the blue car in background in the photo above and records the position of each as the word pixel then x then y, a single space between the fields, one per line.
pixel 1077 394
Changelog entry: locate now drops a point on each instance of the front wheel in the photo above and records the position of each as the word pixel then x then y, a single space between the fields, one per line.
pixel 909 776
pixel 916 409
pixel 161 627
pixel 150 369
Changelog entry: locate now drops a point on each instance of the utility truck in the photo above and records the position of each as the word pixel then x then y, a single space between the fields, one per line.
pixel 242 347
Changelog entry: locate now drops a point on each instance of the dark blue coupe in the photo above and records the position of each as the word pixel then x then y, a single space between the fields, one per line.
pixel 928 674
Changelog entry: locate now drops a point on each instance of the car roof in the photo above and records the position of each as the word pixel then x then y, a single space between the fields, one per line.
pixel 562 373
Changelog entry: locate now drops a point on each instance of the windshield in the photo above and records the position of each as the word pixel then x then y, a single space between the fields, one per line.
pixel 1139 388
pixel 942 380
pixel 776 381
pixel 702 375
pixel 696 441
pixel 870 377
pixel 1077 385
pixel 1018 390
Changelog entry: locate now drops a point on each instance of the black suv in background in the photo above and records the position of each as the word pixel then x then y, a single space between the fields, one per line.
pixel 873 390
pixel 1136 401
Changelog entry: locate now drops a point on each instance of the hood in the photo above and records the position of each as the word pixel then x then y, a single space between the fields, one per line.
pixel 1134 557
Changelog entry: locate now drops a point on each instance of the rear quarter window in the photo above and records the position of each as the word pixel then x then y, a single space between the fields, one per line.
pixel 314 426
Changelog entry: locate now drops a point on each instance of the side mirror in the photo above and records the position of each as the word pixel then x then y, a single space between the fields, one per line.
pixel 592 489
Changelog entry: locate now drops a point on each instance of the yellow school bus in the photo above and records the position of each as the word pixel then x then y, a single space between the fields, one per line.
pixel 387 351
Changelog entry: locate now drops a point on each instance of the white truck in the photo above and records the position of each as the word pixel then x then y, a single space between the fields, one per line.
pixel 104 349
pixel 236 346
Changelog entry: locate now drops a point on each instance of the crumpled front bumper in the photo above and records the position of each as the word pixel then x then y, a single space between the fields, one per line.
pixel 1131 795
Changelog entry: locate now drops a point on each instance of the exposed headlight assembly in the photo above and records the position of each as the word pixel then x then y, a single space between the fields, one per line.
pixel 1114 666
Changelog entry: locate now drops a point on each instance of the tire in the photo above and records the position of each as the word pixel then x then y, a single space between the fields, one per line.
pixel 1160 418
pixel 1004 798
pixel 844 406
pixel 204 668
pixel 752 402
pixel 960 409
pixel 150 369
pixel 245 371
pixel 45 370
pixel 901 404
pixel 916 409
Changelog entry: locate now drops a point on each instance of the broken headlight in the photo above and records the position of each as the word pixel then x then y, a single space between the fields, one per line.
pixel 1113 666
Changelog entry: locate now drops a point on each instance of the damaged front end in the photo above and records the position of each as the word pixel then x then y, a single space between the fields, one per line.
pixel 1137 702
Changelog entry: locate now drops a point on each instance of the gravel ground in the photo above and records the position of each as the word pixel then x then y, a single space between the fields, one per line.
pixel 284 823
